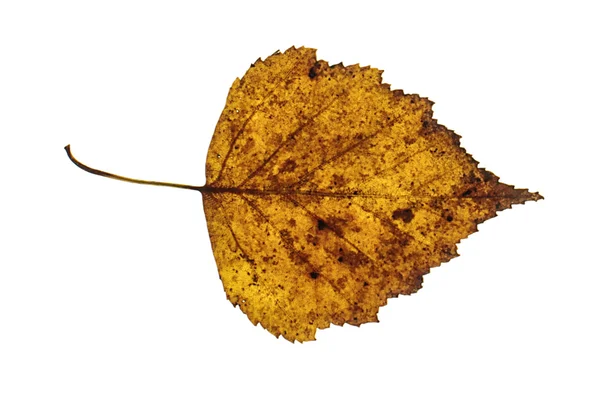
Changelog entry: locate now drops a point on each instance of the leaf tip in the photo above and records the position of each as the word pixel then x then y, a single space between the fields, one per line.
pixel 535 196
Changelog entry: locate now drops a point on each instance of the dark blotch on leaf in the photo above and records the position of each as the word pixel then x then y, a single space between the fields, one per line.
pixel 487 175
pixel 316 69
pixel 405 215
pixel 321 225
pixel 314 275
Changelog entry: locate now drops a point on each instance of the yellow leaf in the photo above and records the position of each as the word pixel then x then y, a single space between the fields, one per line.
pixel 328 193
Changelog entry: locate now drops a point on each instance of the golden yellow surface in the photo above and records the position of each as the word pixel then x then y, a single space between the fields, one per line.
pixel 327 193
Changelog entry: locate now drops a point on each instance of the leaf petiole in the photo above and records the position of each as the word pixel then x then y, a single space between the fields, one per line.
pixel 128 179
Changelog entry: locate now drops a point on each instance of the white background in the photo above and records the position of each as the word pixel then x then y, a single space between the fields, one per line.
pixel 111 287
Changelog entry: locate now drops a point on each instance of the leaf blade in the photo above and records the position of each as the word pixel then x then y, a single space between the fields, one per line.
pixel 332 193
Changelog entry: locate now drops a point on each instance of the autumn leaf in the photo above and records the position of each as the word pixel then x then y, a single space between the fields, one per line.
pixel 328 193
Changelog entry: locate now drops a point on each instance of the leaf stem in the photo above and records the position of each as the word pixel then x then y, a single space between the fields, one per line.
pixel 128 179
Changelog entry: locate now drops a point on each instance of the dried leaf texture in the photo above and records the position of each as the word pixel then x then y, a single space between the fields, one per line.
pixel 327 193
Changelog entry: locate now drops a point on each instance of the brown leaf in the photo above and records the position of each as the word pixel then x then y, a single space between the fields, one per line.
pixel 327 193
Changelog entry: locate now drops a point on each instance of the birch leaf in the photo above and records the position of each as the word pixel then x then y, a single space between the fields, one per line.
pixel 328 193
pixel 331 193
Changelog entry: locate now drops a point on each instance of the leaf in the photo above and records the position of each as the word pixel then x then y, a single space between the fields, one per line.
pixel 328 193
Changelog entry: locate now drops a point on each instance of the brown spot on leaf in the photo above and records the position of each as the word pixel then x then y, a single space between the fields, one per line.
pixel 405 215
pixel 321 225
pixel 352 258
pixel 288 166
pixel 317 69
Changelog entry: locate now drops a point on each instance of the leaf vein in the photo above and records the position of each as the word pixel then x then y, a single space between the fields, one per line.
pixel 286 77
pixel 287 244
pixel 294 134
